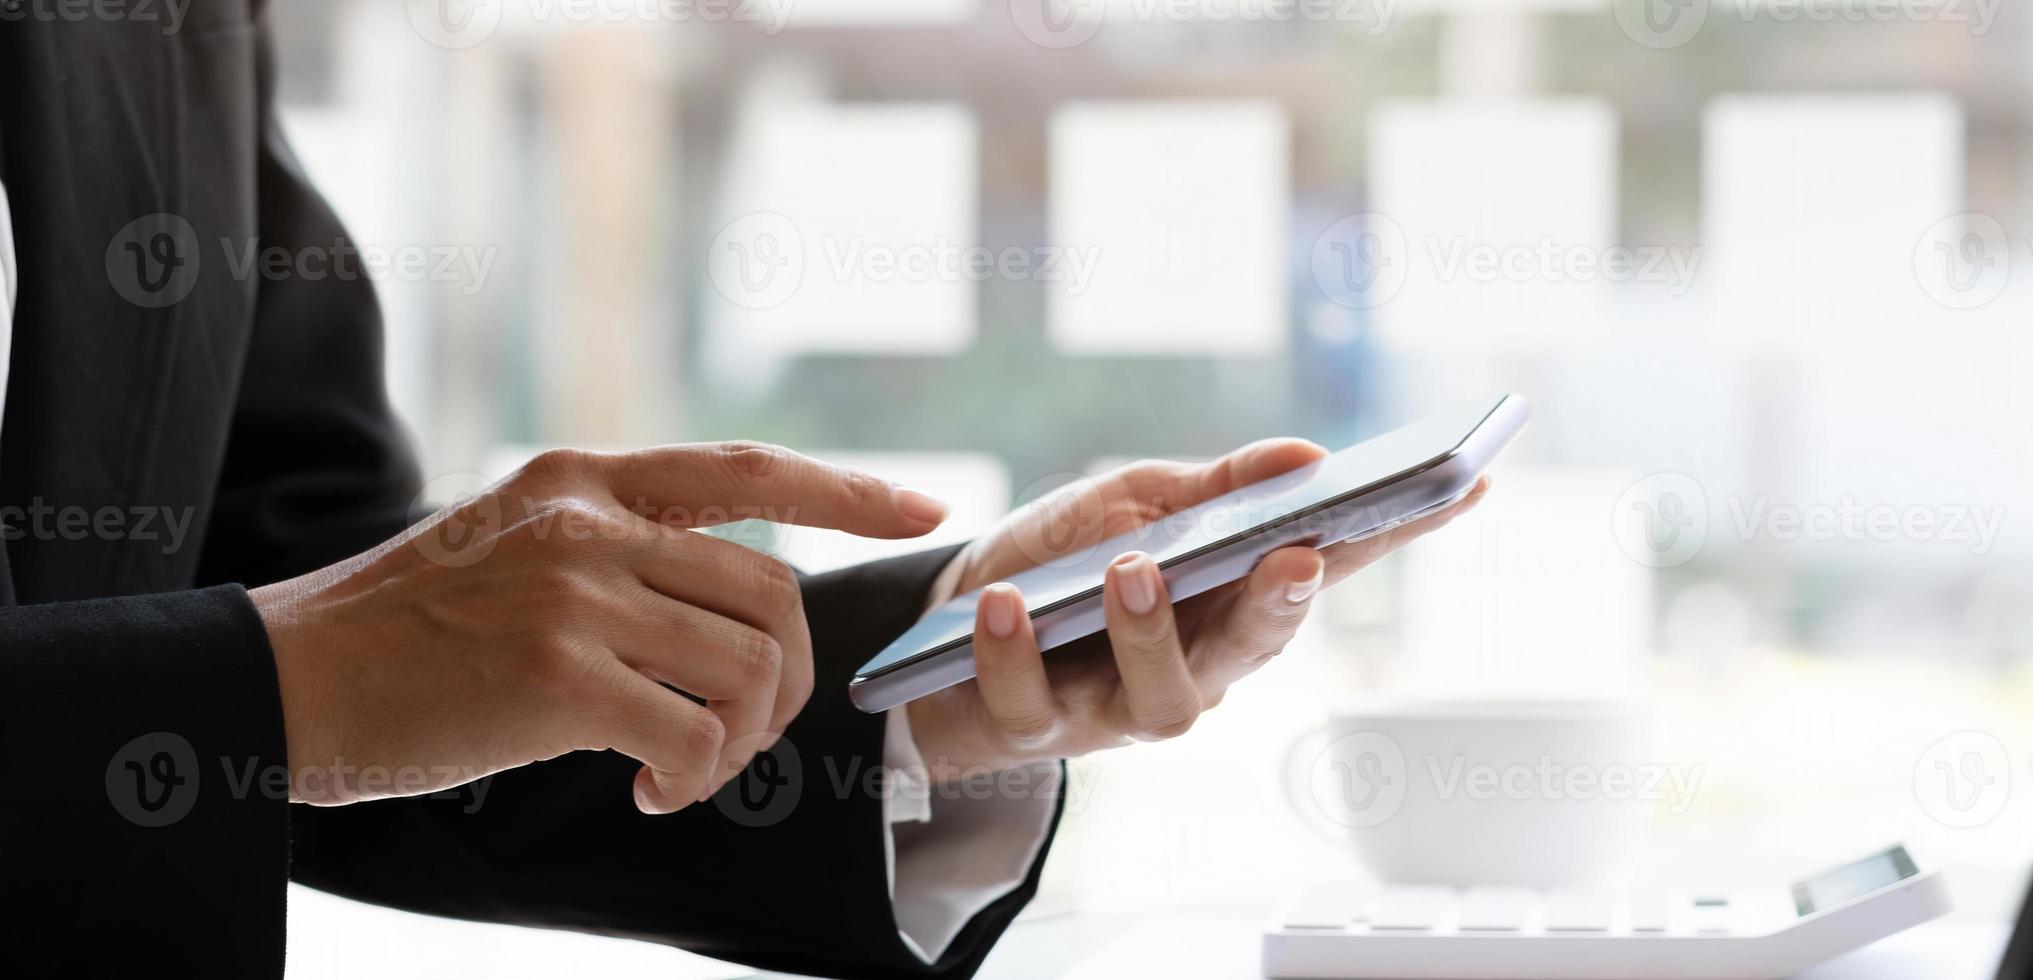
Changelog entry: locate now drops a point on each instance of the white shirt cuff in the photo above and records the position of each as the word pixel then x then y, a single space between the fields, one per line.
pixel 987 836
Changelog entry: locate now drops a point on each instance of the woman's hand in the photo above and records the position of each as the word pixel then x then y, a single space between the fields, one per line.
pixel 1156 668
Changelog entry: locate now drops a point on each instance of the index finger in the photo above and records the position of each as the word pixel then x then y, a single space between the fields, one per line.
pixel 699 484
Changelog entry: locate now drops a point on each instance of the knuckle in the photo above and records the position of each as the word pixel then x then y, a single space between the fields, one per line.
pixel 1254 658
pixel 865 490
pixel 1032 729
pixel 561 463
pixel 561 670
pixel 1169 720
pixel 1157 646
pixel 778 585
pixel 762 657
pixel 1153 477
pixel 752 461
pixel 1277 615
pixel 701 734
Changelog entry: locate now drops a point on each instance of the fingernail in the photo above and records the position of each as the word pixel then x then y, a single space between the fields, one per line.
pixel 917 506
pixel 1138 579
pixel 1001 612
pixel 1299 592
pixel 642 799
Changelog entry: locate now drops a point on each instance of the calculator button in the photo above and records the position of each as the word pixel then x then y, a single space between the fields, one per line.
pixel 1411 907
pixel 1710 921
pixel 1498 909
pixel 1648 913
pixel 1577 912
pixel 1332 908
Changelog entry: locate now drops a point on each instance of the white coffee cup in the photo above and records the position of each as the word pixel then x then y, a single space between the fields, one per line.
pixel 1487 792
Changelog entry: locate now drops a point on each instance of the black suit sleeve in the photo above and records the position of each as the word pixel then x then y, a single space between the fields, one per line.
pixel 793 879
pixel 317 468
pixel 317 471
pixel 141 817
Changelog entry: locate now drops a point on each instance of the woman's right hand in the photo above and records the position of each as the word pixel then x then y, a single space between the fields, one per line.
pixel 546 614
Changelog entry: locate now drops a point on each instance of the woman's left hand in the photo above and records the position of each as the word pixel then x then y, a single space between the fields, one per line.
pixel 1158 666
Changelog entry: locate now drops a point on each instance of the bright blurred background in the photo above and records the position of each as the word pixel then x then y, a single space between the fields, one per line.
pixel 1761 267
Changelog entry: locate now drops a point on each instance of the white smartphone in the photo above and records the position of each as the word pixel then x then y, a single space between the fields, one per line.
pixel 1365 489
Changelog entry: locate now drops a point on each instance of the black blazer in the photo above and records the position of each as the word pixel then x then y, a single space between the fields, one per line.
pixel 137 692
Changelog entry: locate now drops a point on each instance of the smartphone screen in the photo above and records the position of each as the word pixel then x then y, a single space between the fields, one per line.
pixel 1206 527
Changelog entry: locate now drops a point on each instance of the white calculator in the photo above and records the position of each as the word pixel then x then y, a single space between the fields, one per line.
pixel 1427 932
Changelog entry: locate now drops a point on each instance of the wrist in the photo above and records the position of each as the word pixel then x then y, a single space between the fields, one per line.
pixel 279 606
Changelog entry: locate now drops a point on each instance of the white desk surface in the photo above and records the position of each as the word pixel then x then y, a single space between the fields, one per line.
pixel 335 938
